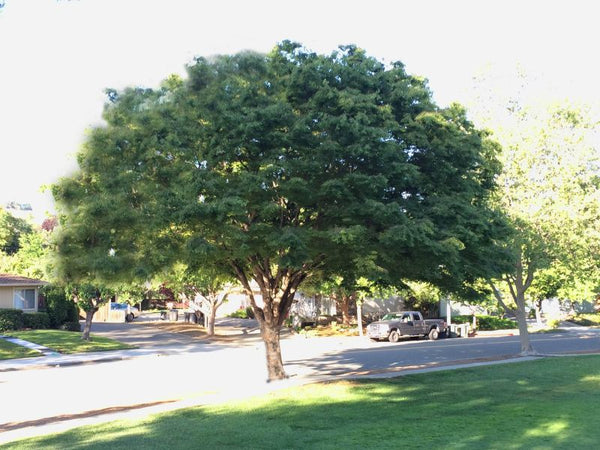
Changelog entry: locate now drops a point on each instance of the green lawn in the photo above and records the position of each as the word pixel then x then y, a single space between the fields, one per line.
pixel 542 404
pixel 68 341
pixel 8 350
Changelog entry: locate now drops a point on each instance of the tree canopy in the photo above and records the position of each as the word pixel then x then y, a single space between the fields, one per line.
pixel 549 190
pixel 275 167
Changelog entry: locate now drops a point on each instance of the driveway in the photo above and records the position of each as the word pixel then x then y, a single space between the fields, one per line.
pixel 149 331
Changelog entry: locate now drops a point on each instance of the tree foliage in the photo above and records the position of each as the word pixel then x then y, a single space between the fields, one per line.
pixel 549 189
pixel 11 230
pixel 275 167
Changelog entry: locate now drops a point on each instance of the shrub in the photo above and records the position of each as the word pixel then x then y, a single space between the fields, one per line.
pixel 553 323
pixel 487 322
pixel 462 319
pixel 495 323
pixel 11 319
pixel 36 321
pixel 239 314
pixel 71 326
pixel 243 314
pixel 59 307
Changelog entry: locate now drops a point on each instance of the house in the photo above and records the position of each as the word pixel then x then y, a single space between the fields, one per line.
pixel 18 292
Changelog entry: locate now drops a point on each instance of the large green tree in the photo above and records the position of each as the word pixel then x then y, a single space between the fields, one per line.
pixel 549 190
pixel 273 167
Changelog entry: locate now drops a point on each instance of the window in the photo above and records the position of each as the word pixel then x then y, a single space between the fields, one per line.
pixel 24 298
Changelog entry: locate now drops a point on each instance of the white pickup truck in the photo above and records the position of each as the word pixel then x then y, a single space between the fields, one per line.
pixel 395 325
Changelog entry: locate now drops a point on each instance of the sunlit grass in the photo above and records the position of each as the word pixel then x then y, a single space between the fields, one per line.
pixel 68 341
pixel 544 404
pixel 8 350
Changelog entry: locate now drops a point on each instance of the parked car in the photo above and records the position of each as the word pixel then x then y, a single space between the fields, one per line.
pixel 392 326
pixel 131 312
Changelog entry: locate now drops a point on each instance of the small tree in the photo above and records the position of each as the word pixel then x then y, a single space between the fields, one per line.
pixel 204 281
pixel 89 298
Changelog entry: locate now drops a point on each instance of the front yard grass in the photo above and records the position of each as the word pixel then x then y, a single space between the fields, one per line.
pixel 544 404
pixel 8 350
pixel 68 341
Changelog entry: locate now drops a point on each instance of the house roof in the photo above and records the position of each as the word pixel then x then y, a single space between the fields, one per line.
pixel 7 279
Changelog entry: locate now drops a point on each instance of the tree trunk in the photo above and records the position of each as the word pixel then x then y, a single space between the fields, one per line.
pixel 212 314
pixel 277 290
pixel 359 317
pixel 538 313
pixel 518 286
pixel 271 339
pixel 345 307
pixel 526 347
pixel 500 300
pixel 89 315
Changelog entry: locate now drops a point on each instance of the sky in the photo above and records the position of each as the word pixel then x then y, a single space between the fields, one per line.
pixel 58 56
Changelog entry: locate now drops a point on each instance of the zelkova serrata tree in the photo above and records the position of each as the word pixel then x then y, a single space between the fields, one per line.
pixel 273 167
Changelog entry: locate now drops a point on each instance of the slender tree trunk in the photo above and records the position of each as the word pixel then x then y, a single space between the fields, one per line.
pixel 518 286
pixel 359 317
pixel 89 315
pixel 212 314
pixel 500 300
pixel 526 347
pixel 538 313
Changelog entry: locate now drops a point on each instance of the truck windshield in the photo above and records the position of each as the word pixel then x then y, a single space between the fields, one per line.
pixel 391 316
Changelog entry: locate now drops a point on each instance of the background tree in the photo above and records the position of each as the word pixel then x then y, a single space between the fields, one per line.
pixel 422 297
pixel 549 188
pixel 89 298
pixel 11 230
pixel 274 167
pixel 26 250
pixel 202 281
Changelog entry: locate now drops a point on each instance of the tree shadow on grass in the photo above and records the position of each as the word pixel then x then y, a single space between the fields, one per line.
pixel 547 403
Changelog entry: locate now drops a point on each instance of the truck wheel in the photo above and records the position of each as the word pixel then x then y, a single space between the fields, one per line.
pixel 433 334
pixel 129 317
pixel 394 336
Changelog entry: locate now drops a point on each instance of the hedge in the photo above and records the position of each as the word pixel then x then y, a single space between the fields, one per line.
pixel 487 322
pixel 242 313
pixel 59 307
pixel 71 326
pixel 36 321
pixel 11 319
